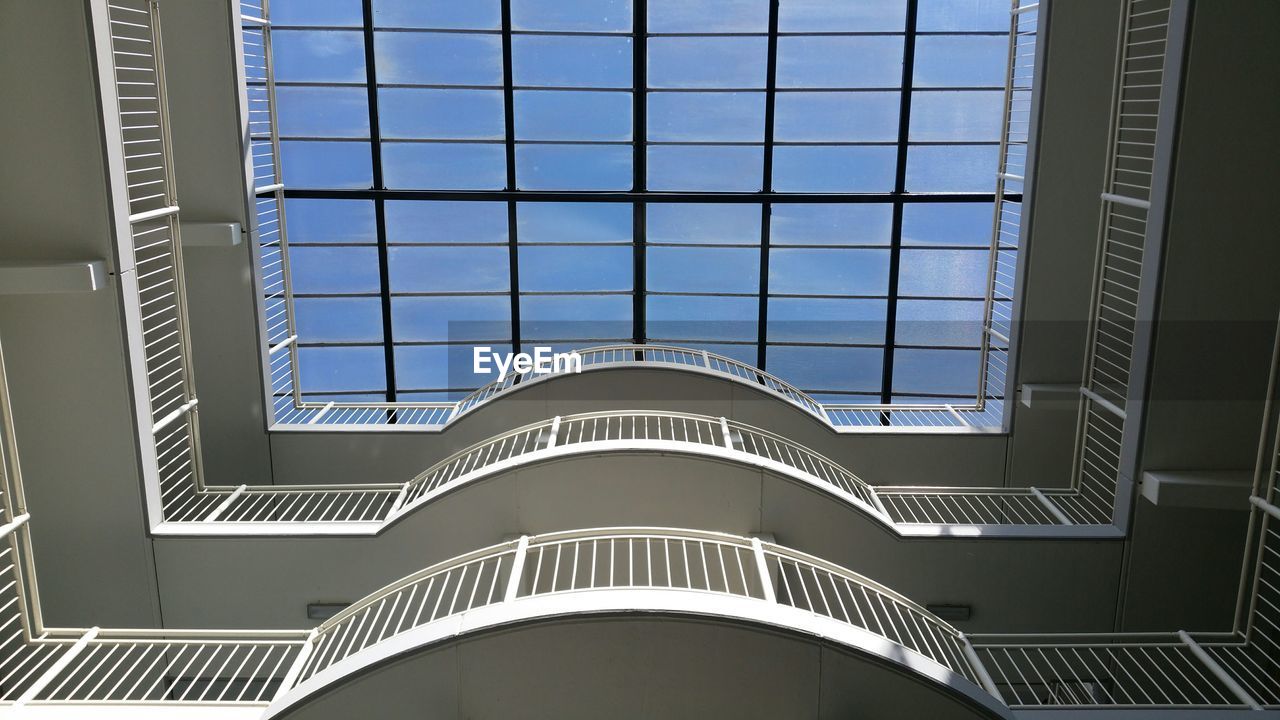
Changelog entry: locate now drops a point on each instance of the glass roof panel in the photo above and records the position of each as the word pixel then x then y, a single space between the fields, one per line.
pixel 844 16
pixel 765 214
pixel 442 14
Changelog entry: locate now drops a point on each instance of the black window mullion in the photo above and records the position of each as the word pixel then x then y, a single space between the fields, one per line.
pixel 375 152
pixel 766 208
pixel 639 166
pixel 899 187
pixel 509 118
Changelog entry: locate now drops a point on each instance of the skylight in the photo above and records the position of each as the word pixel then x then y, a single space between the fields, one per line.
pixel 806 187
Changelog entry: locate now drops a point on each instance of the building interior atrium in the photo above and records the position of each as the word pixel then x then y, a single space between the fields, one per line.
pixel 874 359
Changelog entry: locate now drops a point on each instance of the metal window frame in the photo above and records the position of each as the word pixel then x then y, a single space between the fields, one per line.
pixel 638 197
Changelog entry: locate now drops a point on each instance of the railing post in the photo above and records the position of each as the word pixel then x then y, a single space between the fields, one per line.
pixel 1216 670
pixel 225 504
pixel 57 667
pixel 517 569
pixel 167 420
pixel 395 506
pixel 724 432
pixel 1050 507
pixel 762 567
pixel 323 411
pixel 706 359
pixel 291 677
pixel 980 669
pixel 555 431
pixel 875 500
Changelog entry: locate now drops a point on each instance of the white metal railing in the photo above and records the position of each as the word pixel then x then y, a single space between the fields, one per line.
pixel 436 416
pixel 265 179
pixel 591 561
pixel 1165 670
pixel 1008 227
pixel 1239 669
pixel 40 665
pixel 367 509
pixel 1117 316
pixel 132 85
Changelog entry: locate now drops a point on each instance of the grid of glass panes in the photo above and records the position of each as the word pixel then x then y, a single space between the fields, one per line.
pixel 460 209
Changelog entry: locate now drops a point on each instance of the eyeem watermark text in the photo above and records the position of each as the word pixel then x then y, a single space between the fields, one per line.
pixel 541 362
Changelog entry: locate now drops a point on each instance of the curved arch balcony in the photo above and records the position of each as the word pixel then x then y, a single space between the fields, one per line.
pixel 368 509
pixel 292 414
pixel 623 571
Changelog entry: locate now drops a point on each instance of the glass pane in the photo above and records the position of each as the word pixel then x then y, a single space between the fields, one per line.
pixel 334 369
pixel 573 167
pixel 571 61
pixel 675 318
pixel 828 272
pixel 443 14
pixel 743 353
pixel 575 268
pixel 338 165
pixel 575 317
pixel 706 16
pixel 713 224
pixel 345 397
pixel 707 62
pixel 716 168
pixel 850 169
pixel 947 224
pixel 939 322
pixel 572 15
pixel 704 270
pixel 431 221
pixel 950 372
pixel 317 12
pixel 446 114
pixel 322 112
pixel 962 15
pixel 837 116
pixel 338 319
pixel 330 221
pixel 944 273
pixel 446 166
pixel 334 269
pixel 439 58
pixel 826 320
pixel 830 224
pixel 844 16
pixel 956 116
pixel 556 222
pixel 693 116
pixel 572 115
pixel 966 168
pixel 971 61
pixel 426 367
pixel 318 55
pixel 448 269
pixel 828 368
pixel 453 319
pixel 840 62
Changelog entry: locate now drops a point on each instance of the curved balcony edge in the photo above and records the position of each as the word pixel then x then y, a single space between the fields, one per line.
pixel 436 417
pixel 714 576
pixel 370 509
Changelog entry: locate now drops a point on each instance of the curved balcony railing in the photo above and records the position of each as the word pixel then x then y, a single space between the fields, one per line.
pixel 293 415
pixel 367 509
pixel 654 567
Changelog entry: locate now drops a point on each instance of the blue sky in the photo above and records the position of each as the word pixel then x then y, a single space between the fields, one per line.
pixel 442 123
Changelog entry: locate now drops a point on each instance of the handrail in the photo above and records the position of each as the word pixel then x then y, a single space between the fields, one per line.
pixel 369 509
pixel 436 416
pixel 630 559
